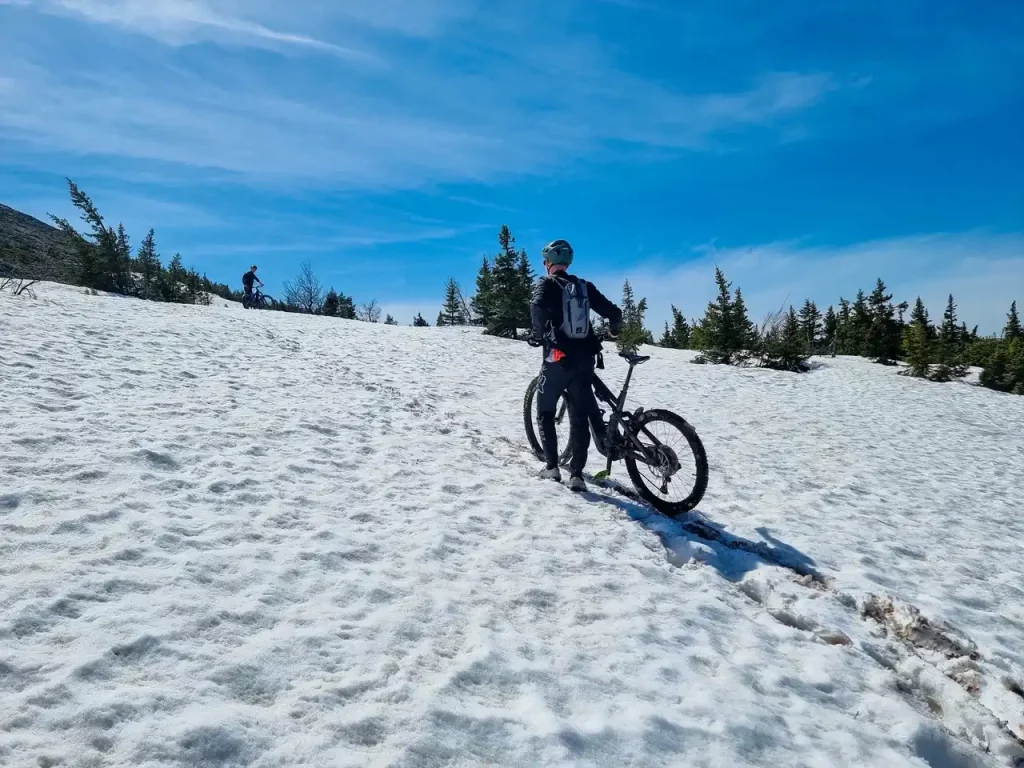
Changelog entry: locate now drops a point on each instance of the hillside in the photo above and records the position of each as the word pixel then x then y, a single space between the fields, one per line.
pixel 32 248
pixel 268 539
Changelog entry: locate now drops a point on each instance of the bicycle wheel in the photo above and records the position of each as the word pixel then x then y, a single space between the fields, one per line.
pixel 531 420
pixel 676 482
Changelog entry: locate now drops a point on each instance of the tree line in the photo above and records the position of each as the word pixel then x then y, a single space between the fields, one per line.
pixel 869 326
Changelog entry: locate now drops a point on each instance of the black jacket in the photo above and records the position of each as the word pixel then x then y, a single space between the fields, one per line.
pixel 546 312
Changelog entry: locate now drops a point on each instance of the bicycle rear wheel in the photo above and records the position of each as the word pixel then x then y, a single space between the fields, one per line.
pixel 675 480
pixel 531 420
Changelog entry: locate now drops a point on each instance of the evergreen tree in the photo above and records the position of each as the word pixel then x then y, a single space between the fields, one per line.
pixel 389 320
pixel 482 302
pixel 124 281
pixel 97 251
pixel 633 332
pixel 951 347
pixel 860 322
pixel 174 279
pixel 330 305
pixel 1012 330
pixel 830 330
pixel 419 322
pixel 440 319
pixel 346 307
pixel 844 329
pixel 810 323
pixel 882 341
pixel 452 312
pixel 994 373
pixel 719 334
pixel 784 345
pixel 506 298
pixel 745 333
pixel 918 341
pixel 678 336
pixel 1015 370
pixel 149 267
pixel 523 293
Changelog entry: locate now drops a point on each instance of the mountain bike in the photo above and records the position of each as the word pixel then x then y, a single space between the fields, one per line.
pixel 655 465
pixel 258 300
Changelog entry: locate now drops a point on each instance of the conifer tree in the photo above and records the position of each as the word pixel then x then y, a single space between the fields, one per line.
pixel 389 320
pixel 1012 330
pixel 882 339
pixel 678 336
pixel 919 353
pixel 994 373
pixel 633 332
pixel 844 328
pixel 452 312
pixel 482 301
pixel 719 330
pixel 810 323
pixel 830 329
pixel 419 322
pixel 506 299
pixel 744 331
pixel 440 319
pixel 951 347
pixel 330 305
pixel 860 320
pixel 149 266
pixel 783 344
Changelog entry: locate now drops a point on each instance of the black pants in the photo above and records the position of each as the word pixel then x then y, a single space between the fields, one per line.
pixel 575 380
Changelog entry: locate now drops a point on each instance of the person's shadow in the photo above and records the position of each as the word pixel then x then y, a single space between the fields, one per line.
pixel 694 537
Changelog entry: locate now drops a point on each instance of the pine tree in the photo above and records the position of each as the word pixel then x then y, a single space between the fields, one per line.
pixel 720 337
pixel 844 329
pixel 346 307
pixel 452 311
pixel 918 341
pixel 174 279
pixel 882 338
pixel 440 319
pixel 389 320
pixel 149 266
pixel 330 305
pixel 951 347
pixel 506 298
pixel 860 323
pixel 678 337
pixel 810 323
pixel 482 302
pixel 419 322
pixel 745 333
pixel 1012 330
pixel 830 331
pixel 633 332
pixel 784 345
pixel 994 373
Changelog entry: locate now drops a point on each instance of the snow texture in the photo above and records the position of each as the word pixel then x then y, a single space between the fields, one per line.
pixel 234 538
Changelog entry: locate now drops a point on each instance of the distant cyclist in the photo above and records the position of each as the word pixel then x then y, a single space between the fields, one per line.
pixel 247 281
pixel 560 312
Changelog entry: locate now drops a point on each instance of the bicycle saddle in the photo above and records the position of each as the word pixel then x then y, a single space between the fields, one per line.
pixel 634 359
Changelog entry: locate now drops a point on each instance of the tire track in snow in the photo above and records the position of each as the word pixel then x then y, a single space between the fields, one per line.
pixel 983 709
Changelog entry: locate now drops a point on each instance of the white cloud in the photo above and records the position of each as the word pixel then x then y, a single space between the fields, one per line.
pixel 391 113
pixel 983 271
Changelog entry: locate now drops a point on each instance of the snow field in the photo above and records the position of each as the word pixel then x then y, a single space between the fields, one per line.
pixel 253 538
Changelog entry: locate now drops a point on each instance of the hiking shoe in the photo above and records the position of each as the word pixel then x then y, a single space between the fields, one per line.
pixel 550 473
pixel 577 483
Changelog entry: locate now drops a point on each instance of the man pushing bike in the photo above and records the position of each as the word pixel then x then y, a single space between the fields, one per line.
pixel 560 314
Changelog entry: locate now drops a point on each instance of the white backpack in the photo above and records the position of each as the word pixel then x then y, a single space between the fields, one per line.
pixel 575 309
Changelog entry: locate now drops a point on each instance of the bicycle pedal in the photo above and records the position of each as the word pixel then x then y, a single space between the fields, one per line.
pixel 601 476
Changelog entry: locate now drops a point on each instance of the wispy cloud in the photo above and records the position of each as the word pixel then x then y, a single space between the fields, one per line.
pixel 505 103
pixel 983 271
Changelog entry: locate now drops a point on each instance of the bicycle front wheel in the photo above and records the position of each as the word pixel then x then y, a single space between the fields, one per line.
pixel 531 420
pixel 672 471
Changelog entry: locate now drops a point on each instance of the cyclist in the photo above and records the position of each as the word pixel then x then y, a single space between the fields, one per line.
pixel 247 281
pixel 560 312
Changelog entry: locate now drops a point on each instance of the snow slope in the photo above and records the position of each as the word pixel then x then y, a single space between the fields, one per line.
pixel 255 538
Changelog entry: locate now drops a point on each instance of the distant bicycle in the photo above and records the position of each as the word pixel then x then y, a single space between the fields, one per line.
pixel 655 462
pixel 258 300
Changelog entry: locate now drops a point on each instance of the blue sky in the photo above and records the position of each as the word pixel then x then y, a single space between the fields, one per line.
pixel 808 148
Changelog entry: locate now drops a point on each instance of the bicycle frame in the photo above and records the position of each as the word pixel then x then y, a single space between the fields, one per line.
pixel 619 416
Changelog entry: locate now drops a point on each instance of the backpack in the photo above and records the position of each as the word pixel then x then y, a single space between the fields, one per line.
pixel 575 309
